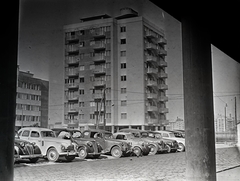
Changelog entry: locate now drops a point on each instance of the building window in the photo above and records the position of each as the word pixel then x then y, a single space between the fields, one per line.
pixel 81 32
pixel 123 41
pixel 123 29
pixel 81 104
pixel 81 79
pixel 81 91
pixel 81 116
pixel 123 115
pixel 123 90
pixel 124 103
pixel 123 53
pixel 123 78
pixel 92 116
pixel 108 115
pixel 81 67
pixel 82 44
pixel 92 104
pixel 123 65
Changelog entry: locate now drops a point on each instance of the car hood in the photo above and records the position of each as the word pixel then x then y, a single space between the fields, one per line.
pixel 57 140
pixel 150 139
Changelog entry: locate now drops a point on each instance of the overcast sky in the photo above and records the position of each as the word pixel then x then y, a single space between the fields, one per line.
pixel 41 48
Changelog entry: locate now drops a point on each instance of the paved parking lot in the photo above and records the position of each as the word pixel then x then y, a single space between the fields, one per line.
pixel 161 167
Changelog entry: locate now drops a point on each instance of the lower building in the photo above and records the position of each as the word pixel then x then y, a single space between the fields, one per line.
pixel 31 101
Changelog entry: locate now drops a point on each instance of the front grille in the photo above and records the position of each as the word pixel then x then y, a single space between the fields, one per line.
pixel 70 147
pixel 29 149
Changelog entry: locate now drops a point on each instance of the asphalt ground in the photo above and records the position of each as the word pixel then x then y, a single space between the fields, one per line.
pixel 160 167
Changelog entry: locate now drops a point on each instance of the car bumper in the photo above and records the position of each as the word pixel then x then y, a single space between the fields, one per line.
pixel 72 152
pixel 28 156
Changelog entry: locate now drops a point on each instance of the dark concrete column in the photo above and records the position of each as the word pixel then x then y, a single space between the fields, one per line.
pixel 198 99
pixel 8 74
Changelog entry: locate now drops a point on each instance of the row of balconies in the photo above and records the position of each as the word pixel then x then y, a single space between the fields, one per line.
pixel 157 97
pixel 153 36
pixel 153 83
pixel 156 60
pixel 95 33
pixel 155 72
pixel 156 109
pixel 157 49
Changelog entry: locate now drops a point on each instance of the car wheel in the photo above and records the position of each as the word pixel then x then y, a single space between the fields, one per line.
pixel 116 152
pixel 153 149
pixel 70 158
pixel 33 160
pixel 52 155
pixel 168 149
pixel 82 152
pixel 181 147
pixel 137 151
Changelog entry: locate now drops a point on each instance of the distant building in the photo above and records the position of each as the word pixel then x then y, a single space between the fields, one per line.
pixel 31 101
pixel 221 126
pixel 123 57
pixel 176 125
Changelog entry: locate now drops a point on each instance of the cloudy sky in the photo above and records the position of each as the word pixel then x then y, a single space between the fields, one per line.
pixel 41 49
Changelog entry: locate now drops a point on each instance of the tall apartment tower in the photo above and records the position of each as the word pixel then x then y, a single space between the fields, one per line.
pixel 115 71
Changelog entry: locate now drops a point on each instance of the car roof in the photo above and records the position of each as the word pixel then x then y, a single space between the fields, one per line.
pixel 131 130
pixel 35 129
pixel 65 129
pixel 97 130
pixel 122 133
pixel 163 131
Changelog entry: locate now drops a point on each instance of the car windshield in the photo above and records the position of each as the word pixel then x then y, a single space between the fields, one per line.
pixel 76 134
pixel 47 134
pixel 109 135
pixel 130 136
pixel 144 134
pixel 171 135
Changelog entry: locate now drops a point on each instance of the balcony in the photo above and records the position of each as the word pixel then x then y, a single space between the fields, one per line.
pixel 99 83
pixel 98 34
pixel 152 120
pixel 72 86
pixel 162 63
pixel 152 71
pixel 162 41
pixel 98 96
pixel 152 108
pixel 151 58
pixel 150 34
pixel 162 75
pixel 162 52
pixel 152 95
pixel 151 46
pixel 73 111
pixel 72 74
pixel 163 86
pixel 163 110
pixel 99 46
pixel 73 61
pixel 72 37
pixel 99 58
pixel 99 70
pixel 163 98
pixel 73 99
pixel 151 83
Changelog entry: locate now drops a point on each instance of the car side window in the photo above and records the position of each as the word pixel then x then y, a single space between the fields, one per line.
pixel 120 137
pixel 165 135
pixel 25 133
pixel 34 134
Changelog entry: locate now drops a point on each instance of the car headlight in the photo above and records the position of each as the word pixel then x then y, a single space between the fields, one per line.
pixel 22 144
pixel 129 143
pixel 63 147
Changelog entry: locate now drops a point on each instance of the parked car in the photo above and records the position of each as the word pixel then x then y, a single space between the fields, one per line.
pixel 86 147
pixel 179 133
pixel 171 135
pixel 154 144
pixel 171 144
pixel 139 147
pixel 51 147
pixel 110 145
pixel 25 150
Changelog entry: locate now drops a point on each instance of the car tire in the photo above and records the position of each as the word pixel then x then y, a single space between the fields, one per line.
pixel 33 160
pixel 70 158
pixel 52 155
pixel 137 151
pixel 181 147
pixel 116 152
pixel 82 152
pixel 153 149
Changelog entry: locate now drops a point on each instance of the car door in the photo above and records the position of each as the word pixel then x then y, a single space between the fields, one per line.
pixel 35 136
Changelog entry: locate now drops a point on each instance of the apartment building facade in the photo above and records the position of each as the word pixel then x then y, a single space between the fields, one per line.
pixel 31 101
pixel 115 72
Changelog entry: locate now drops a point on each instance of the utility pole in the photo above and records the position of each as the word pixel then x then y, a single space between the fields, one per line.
pixel 225 116
pixel 235 110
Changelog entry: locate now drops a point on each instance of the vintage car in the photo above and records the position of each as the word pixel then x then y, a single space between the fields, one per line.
pixel 171 135
pixel 154 144
pixel 86 147
pixel 110 145
pixel 179 133
pixel 139 147
pixel 51 147
pixel 172 145
pixel 25 150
